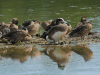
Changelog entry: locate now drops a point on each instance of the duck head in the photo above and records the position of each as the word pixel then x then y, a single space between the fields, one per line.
pixel 57 21
pixel 14 21
pixel 60 21
pixel 84 20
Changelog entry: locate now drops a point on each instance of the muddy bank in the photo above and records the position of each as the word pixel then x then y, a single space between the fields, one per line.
pixel 39 41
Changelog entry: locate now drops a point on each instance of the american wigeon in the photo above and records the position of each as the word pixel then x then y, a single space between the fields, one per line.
pixel 19 35
pixel 45 24
pixel 55 33
pixel 33 27
pixel 7 25
pixel 82 28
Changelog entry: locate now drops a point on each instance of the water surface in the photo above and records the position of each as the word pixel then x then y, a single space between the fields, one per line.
pixel 55 60
pixel 70 10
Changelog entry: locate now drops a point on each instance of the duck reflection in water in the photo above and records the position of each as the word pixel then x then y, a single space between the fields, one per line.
pixel 35 53
pixel 58 54
pixel 20 54
pixel 84 51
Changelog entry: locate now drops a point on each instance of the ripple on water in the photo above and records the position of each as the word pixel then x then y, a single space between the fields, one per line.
pixel 73 6
pixel 1 15
pixel 57 13
pixel 61 10
pixel 98 7
pixel 86 8
pixel 51 1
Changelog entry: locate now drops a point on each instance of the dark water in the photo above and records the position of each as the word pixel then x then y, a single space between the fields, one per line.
pixel 51 60
pixel 70 10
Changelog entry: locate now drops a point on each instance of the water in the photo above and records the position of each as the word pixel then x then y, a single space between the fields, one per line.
pixel 55 60
pixel 51 60
pixel 70 10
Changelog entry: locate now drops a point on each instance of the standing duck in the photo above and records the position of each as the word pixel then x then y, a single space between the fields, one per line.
pixel 82 28
pixel 55 33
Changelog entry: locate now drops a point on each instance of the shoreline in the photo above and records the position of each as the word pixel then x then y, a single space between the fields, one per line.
pixel 41 42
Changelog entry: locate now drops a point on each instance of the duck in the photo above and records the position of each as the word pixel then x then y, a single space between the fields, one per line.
pixel 33 27
pixel 53 23
pixel 10 26
pixel 81 29
pixel 7 25
pixel 13 26
pixel 55 33
pixel 45 24
pixel 16 36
